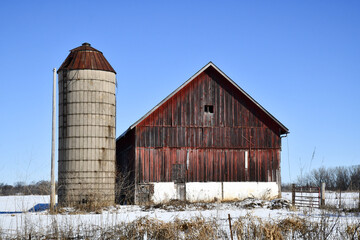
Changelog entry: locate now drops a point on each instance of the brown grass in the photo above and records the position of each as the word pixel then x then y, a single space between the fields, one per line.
pixel 247 227
pixel 293 227
pixel 197 228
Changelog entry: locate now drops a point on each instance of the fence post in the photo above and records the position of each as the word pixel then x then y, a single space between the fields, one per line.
pixel 340 199
pixel 322 194
pixel 230 227
pixel 293 194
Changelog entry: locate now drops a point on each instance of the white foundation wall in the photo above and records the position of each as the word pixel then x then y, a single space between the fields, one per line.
pixel 203 191
pixel 164 192
pixel 242 190
pixel 213 191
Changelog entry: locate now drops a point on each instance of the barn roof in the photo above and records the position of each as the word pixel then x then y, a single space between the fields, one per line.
pixel 86 57
pixel 284 130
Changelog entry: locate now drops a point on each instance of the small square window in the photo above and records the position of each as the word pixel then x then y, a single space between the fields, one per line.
pixel 209 109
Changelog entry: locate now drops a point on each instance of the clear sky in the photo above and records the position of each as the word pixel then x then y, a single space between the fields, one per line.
pixel 299 59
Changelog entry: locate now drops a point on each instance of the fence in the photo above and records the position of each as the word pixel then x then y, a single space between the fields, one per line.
pixel 307 196
pixel 343 199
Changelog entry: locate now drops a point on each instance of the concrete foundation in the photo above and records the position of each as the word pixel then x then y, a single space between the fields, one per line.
pixel 207 191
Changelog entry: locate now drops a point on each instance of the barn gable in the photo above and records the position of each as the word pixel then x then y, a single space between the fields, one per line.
pixel 235 89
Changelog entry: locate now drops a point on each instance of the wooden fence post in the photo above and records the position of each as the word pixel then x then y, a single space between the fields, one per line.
pixel 230 227
pixel 340 199
pixel 293 194
pixel 322 194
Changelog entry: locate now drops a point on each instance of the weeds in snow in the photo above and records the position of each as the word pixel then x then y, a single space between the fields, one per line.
pixel 247 227
pixel 250 227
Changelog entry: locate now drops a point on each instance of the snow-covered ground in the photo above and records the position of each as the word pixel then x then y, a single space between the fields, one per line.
pixel 23 223
pixel 21 203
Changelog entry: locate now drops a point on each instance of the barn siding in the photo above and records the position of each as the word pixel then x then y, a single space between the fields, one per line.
pixel 215 142
pixel 206 165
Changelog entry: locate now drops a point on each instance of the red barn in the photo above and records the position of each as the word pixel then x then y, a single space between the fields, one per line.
pixel 208 140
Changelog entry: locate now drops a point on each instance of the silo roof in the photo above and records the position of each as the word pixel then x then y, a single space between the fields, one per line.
pixel 86 57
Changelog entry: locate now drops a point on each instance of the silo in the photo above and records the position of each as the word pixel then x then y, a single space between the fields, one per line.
pixel 86 162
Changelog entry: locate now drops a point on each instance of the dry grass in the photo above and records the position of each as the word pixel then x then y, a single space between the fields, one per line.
pixel 353 231
pixel 94 203
pixel 197 228
pixel 141 228
pixel 246 227
pixel 294 227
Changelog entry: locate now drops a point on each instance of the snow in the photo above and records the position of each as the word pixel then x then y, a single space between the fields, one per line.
pixel 21 203
pixel 12 224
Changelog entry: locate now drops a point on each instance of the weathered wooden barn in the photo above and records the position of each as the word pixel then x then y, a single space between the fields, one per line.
pixel 208 140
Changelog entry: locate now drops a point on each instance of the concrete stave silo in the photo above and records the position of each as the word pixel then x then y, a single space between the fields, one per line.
pixel 86 170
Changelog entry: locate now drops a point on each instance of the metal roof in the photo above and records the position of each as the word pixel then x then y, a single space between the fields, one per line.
pixel 86 57
pixel 210 64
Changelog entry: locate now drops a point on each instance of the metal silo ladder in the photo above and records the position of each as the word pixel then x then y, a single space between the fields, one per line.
pixel 64 111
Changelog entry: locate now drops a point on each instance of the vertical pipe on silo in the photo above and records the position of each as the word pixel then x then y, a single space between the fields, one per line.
pixel 52 193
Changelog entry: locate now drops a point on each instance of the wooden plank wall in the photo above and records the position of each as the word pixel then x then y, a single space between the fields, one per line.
pixel 155 165
pixel 214 142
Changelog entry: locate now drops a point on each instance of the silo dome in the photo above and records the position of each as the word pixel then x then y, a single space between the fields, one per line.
pixel 86 168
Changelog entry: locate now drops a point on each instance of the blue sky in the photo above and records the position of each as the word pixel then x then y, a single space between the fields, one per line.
pixel 298 59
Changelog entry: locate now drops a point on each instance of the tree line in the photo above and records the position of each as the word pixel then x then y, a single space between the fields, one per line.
pixel 335 178
pixel 20 188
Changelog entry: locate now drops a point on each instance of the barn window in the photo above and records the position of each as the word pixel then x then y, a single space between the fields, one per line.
pixel 209 109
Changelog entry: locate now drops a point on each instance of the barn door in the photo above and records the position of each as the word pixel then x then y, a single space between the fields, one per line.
pixel 179 174
pixel 178 177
